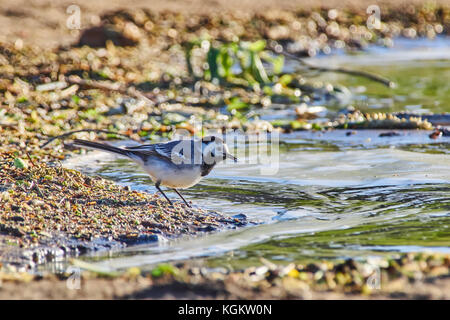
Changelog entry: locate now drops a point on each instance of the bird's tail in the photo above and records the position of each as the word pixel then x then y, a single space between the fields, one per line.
pixel 101 146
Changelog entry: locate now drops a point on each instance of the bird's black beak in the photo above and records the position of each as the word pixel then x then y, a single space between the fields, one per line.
pixel 227 155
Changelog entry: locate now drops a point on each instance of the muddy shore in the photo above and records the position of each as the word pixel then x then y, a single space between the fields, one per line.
pixel 52 212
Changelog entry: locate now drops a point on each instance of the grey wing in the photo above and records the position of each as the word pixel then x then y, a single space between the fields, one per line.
pixel 172 150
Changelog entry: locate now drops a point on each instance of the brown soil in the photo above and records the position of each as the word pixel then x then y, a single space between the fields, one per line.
pixel 43 22
pixel 143 288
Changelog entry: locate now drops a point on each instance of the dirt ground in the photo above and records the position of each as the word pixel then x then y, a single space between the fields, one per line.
pixel 44 22
pixel 143 288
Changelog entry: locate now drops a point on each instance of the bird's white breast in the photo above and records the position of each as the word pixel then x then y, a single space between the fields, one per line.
pixel 172 176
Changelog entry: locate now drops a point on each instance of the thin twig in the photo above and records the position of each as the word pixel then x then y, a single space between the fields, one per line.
pixel 91 84
pixel 29 158
pixel 8 125
pixel 84 130
pixel 359 73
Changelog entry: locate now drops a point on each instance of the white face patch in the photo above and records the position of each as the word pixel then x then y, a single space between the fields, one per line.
pixel 198 152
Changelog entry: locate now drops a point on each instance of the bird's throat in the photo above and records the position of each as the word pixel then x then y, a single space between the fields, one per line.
pixel 206 168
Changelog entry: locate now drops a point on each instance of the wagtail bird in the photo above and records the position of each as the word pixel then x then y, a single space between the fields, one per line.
pixel 177 164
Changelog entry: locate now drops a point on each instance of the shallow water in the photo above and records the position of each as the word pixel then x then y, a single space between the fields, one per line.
pixel 334 196
pixel 420 69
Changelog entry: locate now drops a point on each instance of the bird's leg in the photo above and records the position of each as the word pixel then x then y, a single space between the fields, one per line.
pixel 159 189
pixel 182 197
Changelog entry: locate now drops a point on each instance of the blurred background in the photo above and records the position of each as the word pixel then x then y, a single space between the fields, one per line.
pixel 43 22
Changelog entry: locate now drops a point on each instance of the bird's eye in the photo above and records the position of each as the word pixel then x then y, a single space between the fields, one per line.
pixel 213 138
